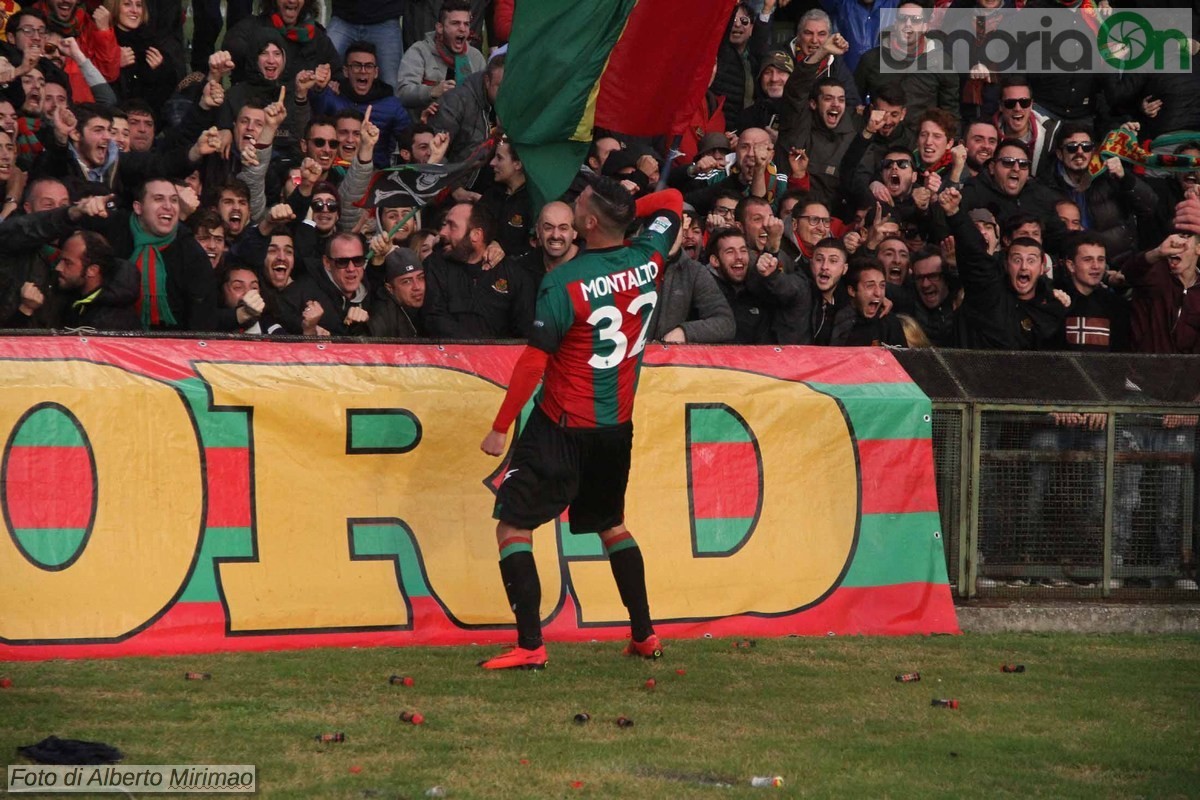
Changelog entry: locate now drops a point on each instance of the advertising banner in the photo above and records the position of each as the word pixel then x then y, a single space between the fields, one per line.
pixel 184 496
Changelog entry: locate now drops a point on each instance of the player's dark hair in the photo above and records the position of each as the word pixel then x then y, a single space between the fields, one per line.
pixel 613 202
pixel 236 186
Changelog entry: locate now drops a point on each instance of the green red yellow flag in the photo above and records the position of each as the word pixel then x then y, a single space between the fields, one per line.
pixel 637 67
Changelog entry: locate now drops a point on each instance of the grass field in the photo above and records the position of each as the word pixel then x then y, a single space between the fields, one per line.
pixel 1091 717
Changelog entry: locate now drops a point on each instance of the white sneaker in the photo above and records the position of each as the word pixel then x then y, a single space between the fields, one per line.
pixel 1186 584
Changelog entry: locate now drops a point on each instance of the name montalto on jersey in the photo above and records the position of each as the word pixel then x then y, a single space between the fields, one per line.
pixel 620 281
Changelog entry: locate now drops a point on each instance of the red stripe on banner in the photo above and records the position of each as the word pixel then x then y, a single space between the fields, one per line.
pixel 725 480
pixel 661 66
pixel 189 628
pixel 897 476
pixel 228 487
pixel 48 487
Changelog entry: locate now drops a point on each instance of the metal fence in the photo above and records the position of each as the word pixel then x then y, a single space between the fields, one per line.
pixel 1064 476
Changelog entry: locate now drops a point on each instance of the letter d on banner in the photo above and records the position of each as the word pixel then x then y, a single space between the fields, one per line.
pixel 743 497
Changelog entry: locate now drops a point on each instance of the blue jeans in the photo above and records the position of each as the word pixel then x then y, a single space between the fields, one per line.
pixel 384 35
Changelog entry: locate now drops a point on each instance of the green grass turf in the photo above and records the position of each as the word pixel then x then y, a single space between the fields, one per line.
pixel 1093 716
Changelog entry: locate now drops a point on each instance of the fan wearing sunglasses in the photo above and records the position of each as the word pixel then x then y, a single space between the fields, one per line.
pixel 1111 203
pixel 1017 119
pixel 1005 188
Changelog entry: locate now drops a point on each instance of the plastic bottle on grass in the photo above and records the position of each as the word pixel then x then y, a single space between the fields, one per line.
pixel 330 737
pixel 940 703
pixel 766 781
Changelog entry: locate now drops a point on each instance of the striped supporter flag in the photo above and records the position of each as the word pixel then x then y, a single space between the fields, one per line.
pixel 637 67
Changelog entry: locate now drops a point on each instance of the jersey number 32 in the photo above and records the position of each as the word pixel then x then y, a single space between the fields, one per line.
pixel 607 322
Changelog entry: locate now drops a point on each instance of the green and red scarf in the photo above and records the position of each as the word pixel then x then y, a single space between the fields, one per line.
pixel 28 143
pixel 152 306
pixel 460 61
pixel 294 33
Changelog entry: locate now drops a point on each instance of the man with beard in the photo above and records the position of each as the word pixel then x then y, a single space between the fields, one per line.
pixel 396 309
pixel 881 130
pixel 729 263
pixel 99 290
pixel 556 235
pixel 441 61
pixel 29 296
pixel 980 140
pixel 1002 310
pixel 1111 203
pixel 239 290
pixel 763 230
pixel 863 323
pixel 691 306
pixel 292 300
pixel 363 88
pixel 467 300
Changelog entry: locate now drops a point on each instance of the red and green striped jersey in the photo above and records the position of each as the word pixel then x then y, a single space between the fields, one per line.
pixel 592 316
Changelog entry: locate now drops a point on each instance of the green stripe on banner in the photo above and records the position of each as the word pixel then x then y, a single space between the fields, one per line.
pixel 579 545
pixel 396 431
pixel 716 425
pixel 721 535
pixel 898 548
pixel 48 427
pixel 217 543
pixel 217 428
pixel 883 410
pixel 50 547
pixel 390 539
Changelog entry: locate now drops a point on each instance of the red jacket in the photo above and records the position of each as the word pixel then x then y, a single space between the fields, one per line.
pixel 1165 316
pixel 99 46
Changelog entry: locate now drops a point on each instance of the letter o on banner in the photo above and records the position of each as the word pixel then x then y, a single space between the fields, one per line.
pixel 148 506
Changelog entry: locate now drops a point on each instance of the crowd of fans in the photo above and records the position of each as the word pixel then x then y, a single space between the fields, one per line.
pixel 155 186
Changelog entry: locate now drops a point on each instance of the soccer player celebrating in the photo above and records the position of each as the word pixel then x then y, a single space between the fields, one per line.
pixel 589 329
